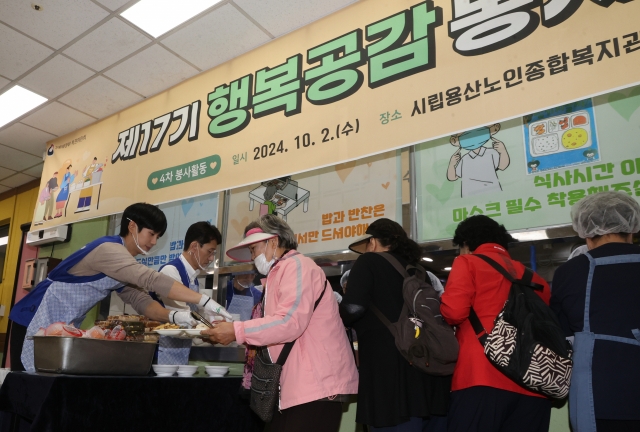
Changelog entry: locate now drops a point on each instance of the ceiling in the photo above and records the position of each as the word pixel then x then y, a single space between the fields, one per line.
pixel 91 63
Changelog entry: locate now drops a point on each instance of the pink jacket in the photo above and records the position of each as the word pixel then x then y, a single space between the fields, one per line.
pixel 321 363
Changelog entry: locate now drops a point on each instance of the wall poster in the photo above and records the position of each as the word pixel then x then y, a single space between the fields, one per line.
pixel 327 208
pixel 528 172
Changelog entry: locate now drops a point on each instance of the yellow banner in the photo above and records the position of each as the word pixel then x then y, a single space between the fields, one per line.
pixel 373 77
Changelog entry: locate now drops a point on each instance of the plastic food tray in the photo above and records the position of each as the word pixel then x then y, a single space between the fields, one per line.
pixel 84 356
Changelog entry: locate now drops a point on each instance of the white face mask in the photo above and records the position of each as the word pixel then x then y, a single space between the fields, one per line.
pixel 262 264
pixel 209 269
pixel 245 286
pixel 135 239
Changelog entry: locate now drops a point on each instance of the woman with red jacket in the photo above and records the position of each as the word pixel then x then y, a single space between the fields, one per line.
pixel 482 398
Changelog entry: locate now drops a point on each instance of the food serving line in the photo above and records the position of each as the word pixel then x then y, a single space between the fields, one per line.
pixel 88 383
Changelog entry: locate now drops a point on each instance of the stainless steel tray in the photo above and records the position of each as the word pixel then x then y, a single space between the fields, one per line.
pixel 84 356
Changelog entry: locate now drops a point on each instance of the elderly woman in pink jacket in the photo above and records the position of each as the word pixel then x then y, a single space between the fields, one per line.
pixel 320 371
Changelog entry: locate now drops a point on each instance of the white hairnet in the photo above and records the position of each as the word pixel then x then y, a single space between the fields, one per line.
pixel 605 213
pixel 343 279
pixel 435 282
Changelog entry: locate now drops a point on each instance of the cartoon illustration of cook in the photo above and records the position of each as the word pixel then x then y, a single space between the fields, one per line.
pixel 88 179
pixel 478 167
pixel 279 196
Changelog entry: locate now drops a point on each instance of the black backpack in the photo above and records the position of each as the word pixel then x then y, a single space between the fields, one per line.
pixel 527 343
pixel 421 334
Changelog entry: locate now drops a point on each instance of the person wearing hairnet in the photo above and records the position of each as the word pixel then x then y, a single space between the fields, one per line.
pixel 596 297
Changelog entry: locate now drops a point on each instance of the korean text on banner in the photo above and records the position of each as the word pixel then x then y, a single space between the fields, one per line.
pixel 527 173
pixel 372 77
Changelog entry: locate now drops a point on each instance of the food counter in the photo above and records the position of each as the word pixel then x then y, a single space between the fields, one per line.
pixel 50 402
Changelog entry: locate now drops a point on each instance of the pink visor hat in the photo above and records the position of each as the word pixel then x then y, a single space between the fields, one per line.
pixel 241 252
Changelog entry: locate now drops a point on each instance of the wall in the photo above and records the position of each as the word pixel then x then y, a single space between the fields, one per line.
pixel 16 208
pixel 81 234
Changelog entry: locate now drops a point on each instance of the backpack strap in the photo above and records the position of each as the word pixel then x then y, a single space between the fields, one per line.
pixel 289 345
pixel 526 279
pixel 395 263
pixel 478 328
pixel 420 271
pixel 380 316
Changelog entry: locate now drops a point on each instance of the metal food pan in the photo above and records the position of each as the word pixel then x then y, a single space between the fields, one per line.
pixel 85 356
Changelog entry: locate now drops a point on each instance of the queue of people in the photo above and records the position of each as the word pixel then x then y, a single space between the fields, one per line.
pixel 595 296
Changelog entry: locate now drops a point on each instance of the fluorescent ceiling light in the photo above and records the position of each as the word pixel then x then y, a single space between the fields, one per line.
pixel 346 251
pixel 4 240
pixel 17 101
pixel 157 17
pixel 530 235
pixel 447 269
pixel 427 259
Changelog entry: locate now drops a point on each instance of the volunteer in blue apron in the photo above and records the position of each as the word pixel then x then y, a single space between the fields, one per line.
pixel 596 297
pixel 90 274
pixel 200 244
pixel 242 295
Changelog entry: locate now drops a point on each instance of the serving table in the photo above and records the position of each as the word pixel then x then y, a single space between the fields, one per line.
pixel 40 402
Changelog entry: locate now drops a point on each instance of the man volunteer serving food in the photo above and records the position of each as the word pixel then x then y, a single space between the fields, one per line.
pixel 93 272
pixel 200 244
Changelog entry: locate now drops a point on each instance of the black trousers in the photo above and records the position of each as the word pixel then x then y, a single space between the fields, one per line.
pixel 18 333
pixel 317 416
pixel 486 409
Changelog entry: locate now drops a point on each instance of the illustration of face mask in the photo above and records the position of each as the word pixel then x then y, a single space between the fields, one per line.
pixel 475 139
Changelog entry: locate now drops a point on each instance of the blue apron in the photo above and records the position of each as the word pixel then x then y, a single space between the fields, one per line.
pixel 581 408
pixel 62 297
pixel 242 304
pixel 174 351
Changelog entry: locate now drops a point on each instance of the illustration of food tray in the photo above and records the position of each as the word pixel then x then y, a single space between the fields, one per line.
pixel 560 133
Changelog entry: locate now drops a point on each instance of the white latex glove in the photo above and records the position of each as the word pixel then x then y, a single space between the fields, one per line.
pixel 211 307
pixel 337 296
pixel 183 319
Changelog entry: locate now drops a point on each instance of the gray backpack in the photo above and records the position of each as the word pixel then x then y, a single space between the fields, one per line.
pixel 421 334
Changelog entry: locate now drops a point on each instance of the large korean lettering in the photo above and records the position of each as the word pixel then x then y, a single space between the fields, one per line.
pixel 229 107
pixel 337 76
pixel 391 59
pixel 137 138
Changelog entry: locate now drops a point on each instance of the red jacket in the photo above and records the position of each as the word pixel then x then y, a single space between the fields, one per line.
pixel 473 282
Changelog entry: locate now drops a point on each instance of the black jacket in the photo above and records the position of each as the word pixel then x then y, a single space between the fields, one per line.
pixel 390 390
pixel 614 310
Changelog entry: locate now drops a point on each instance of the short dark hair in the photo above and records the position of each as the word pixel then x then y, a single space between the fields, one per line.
pixel 480 229
pixel 202 232
pixel 390 233
pixel 145 216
